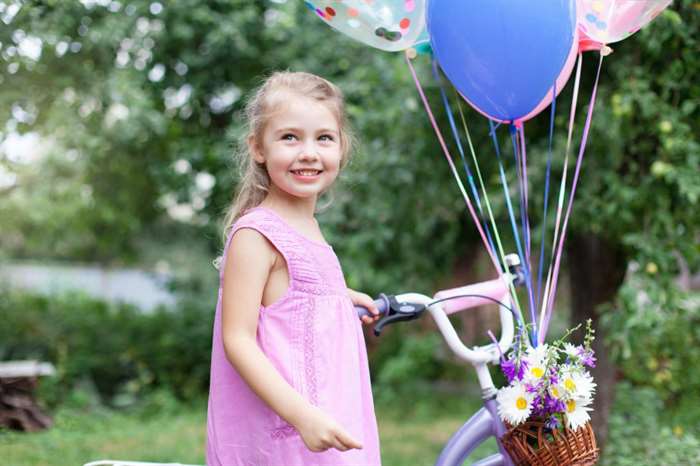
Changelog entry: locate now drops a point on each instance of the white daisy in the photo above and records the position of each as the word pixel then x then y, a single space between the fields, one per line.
pixel 567 381
pixel 577 412
pixel 571 351
pixel 577 384
pixel 557 391
pixel 585 386
pixel 536 360
pixel 514 404
pixel 537 355
pixel 535 372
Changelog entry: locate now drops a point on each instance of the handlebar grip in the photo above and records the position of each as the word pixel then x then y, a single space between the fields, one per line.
pixel 382 304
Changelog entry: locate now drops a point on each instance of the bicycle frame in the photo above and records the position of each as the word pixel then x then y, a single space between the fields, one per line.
pixel 485 423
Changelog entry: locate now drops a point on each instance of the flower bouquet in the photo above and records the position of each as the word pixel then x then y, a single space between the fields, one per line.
pixel 547 401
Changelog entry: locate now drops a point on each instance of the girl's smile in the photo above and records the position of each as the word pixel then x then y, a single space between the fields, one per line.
pixel 306 175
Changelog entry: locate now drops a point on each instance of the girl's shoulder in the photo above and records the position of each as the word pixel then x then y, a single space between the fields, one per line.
pixel 263 222
pixel 251 237
pixel 253 217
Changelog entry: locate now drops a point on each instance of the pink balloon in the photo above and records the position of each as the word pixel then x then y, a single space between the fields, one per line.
pixel 561 81
pixel 608 21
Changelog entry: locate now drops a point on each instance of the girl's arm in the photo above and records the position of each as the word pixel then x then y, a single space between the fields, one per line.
pixel 249 260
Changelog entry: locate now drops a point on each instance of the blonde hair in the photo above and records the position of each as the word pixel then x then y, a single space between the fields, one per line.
pixel 254 181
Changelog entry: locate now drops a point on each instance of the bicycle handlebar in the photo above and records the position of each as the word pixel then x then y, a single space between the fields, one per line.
pixel 410 306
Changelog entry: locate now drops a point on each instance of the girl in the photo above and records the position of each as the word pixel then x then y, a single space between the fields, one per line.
pixel 289 377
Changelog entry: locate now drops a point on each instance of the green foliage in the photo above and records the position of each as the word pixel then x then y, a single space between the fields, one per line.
pixel 136 111
pixel 126 94
pixel 638 436
pixel 653 330
pixel 640 186
pixel 413 361
pixel 115 352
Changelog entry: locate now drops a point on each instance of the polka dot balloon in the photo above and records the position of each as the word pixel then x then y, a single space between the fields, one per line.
pixel 390 25
pixel 608 21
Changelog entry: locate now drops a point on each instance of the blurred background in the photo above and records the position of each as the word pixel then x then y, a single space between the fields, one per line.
pixel 118 121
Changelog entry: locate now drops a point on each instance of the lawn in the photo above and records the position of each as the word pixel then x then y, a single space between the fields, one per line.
pixel 412 433
pixel 409 436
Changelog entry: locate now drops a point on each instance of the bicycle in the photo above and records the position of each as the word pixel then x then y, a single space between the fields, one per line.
pixel 485 423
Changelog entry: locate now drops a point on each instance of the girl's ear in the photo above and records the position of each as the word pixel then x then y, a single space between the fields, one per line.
pixel 255 149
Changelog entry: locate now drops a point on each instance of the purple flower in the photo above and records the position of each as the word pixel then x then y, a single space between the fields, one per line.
pixel 509 369
pixel 553 376
pixel 538 408
pixel 554 405
pixel 587 357
pixel 522 367
pixel 512 370
pixel 552 422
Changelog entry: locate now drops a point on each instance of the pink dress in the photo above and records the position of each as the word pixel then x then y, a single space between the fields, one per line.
pixel 314 339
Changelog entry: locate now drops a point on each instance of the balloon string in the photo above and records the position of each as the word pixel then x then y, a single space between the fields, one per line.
pixel 582 149
pixel 470 176
pixel 448 157
pixel 506 189
pixel 514 295
pixel 519 177
pixel 524 259
pixel 455 134
pixel 523 158
pixel 540 263
pixel 562 191
pixel 528 261
pixel 506 193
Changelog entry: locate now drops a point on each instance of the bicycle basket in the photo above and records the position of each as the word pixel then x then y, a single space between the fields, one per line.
pixel 533 444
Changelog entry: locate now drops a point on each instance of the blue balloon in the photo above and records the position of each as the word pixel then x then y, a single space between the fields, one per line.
pixel 502 55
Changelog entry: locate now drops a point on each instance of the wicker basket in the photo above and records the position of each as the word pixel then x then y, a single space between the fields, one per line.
pixel 533 444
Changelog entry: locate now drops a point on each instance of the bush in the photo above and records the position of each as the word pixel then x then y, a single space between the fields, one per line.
pixel 652 332
pixel 115 348
pixel 639 436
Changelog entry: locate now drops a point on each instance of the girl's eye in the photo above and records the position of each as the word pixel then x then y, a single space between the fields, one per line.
pixel 326 137
pixel 288 137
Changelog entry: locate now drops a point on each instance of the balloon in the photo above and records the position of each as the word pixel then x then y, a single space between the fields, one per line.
pixel 608 21
pixel 391 25
pixel 561 81
pixel 502 55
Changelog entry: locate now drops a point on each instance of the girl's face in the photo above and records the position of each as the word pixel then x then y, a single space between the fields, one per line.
pixel 300 147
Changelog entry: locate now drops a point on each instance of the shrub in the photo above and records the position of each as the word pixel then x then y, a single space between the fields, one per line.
pixel 638 435
pixel 652 331
pixel 116 348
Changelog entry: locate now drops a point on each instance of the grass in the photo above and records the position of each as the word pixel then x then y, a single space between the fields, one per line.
pixel 413 431
pixel 79 437
pixel 410 435
pixel 415 434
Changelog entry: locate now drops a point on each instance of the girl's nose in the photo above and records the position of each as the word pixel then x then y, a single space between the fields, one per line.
pixel 309 152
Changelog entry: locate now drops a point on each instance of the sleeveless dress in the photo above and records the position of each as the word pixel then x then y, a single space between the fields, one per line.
pixel 313 337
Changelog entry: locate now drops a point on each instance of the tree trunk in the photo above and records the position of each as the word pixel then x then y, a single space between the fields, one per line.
pixel 596 271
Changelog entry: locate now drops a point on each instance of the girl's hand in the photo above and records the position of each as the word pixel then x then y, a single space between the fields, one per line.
pixel 364 300
pixel 319 432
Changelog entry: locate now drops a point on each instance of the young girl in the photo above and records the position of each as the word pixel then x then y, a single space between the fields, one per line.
pixel 289 376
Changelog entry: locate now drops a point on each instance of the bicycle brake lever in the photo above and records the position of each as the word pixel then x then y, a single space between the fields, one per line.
pixel 384 321
pixel 398 312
